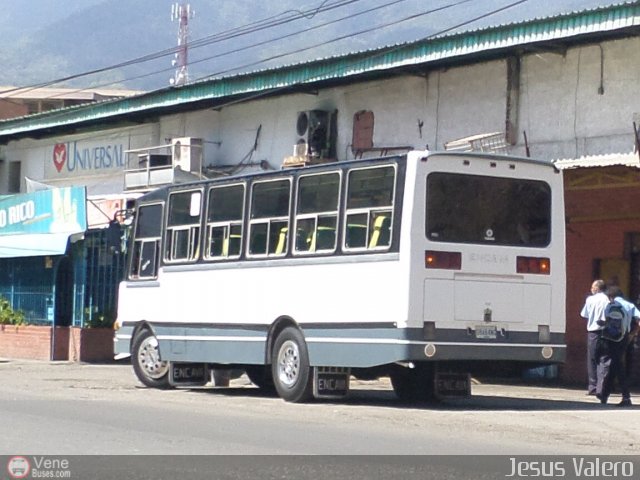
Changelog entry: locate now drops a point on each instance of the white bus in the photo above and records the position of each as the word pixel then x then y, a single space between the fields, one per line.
pixel 424 267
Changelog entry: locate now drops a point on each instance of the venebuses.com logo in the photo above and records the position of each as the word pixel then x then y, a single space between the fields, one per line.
pixel 18 467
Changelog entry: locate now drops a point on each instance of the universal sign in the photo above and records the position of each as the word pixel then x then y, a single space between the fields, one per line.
pixel 83 158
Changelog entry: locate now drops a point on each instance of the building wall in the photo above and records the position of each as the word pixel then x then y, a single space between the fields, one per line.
pixel 409 111
pixel 562 110
pixel 565 106
pixel 599 218
pixel 89 159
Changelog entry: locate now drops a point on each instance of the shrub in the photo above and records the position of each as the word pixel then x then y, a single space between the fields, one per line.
pixel 98 319
pixel 9 316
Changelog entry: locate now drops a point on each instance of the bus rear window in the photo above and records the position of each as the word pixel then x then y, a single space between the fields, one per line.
pixel 488 210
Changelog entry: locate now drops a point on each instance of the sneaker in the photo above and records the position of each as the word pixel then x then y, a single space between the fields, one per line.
pixel 626 402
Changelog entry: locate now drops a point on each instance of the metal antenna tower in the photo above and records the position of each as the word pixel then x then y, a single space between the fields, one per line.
pixel 182 13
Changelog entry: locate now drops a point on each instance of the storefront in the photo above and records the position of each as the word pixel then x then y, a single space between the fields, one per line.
pixel 54 267
pixel 602 195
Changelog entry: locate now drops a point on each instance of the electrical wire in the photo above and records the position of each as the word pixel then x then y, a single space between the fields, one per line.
pixel 333 40
pixel 323 43
pixel 365 58
pixel 235 32
pixel 304 31
pixel 249 47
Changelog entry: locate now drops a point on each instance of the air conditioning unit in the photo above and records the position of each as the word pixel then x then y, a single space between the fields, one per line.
pixel 186 153
pixel 313 130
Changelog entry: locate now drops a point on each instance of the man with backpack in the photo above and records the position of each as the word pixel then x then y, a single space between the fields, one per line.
pixel 634 313
pixel 612 347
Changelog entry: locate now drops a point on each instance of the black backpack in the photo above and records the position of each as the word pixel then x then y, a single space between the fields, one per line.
pixel 613 329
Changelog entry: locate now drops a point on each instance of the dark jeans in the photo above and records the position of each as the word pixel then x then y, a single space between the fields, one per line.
pixel 592 360
pixel 611 367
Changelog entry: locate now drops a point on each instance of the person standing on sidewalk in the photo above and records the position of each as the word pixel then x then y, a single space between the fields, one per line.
pixel 612 347
pixel 629 340
pixel 592 311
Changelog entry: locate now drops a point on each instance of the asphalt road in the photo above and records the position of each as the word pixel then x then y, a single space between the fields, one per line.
pixel 80 409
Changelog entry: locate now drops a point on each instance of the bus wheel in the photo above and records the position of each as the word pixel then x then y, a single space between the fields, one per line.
pixel 147 365
pixel 290 368
pixel 260 376
pixel 414 384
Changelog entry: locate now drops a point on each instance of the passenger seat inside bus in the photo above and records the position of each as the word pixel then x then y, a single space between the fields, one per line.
pixel 282 241
pixel 381 234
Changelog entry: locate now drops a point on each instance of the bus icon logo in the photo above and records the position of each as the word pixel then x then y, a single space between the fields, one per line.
pixel 18 467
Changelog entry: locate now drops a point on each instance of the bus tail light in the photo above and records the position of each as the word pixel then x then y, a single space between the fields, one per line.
pixel 541 266
pixel 443 260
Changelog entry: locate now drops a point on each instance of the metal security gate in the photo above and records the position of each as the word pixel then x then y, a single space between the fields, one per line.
pixel 101 269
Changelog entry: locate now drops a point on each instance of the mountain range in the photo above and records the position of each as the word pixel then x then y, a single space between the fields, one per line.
pixel 47 40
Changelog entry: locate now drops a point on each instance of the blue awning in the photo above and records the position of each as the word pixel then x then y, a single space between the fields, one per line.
pixel 33 245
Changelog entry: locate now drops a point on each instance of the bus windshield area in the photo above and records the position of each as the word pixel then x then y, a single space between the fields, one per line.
pixel 487 210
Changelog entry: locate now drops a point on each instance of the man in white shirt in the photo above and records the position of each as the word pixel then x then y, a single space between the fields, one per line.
pixel 593 311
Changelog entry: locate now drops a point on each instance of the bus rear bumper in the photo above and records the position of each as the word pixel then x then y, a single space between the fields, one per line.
pixel 380 346
pixel 365 354
pixel 537 353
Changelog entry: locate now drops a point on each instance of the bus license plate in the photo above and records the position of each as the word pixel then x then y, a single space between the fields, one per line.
pixel 453 385
pixel 188 374
pixel 331 382
pixel 486 331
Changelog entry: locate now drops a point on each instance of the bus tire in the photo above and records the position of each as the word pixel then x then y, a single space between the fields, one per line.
pixel 260 376
pixel 147 365
pixel 291 372
pixel 414 384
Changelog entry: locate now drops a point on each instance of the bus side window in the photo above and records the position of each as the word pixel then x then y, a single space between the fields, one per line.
pixel 235 241
pixel 317 213
pixel 369 214
pixel 225 213
pixel 183 226
pixel 305 235
pixel 148 259
pixel 269 219
pixel 146 243
pixel 356 235
pixel 325 235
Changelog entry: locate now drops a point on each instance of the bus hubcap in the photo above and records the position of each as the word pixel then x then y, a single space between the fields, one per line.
pixel 149 359
pixel 288 363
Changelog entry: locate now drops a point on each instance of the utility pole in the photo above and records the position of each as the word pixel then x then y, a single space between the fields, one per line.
pixel 182 13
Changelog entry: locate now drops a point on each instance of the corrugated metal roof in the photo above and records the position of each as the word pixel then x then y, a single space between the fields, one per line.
pixel 455 46
pixel 630 159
